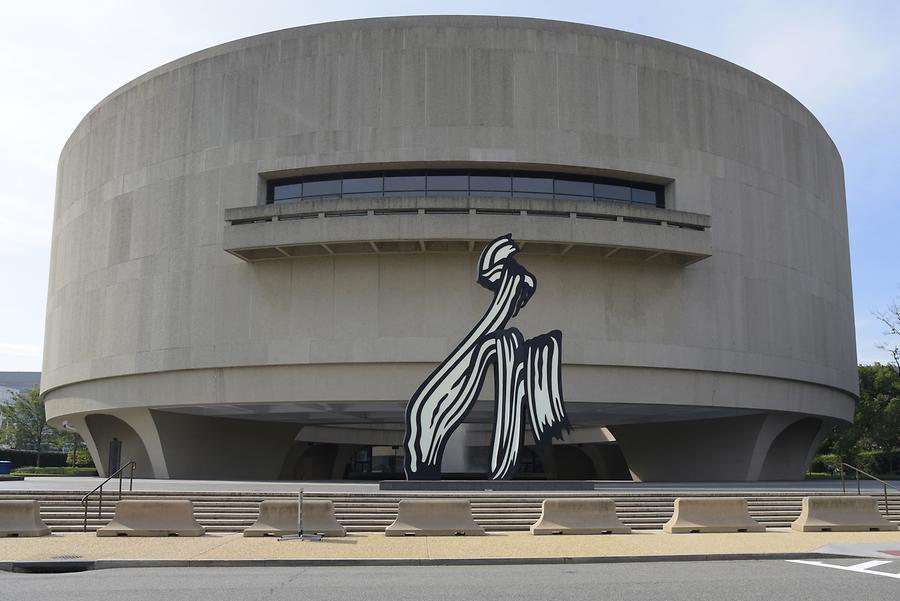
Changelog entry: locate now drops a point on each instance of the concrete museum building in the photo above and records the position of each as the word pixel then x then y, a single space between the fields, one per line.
pixel 261 249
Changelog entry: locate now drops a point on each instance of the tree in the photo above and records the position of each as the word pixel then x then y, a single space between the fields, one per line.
pixel 25 423
pixel 891 318
pixel 872 442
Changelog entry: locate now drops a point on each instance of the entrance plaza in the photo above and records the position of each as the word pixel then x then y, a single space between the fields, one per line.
pixel 505 516
pixel 222 510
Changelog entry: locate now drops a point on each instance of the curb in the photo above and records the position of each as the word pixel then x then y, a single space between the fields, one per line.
pixel 61 566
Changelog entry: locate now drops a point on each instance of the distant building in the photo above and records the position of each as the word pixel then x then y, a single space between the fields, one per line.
pixel 12 382
pixel 20 380
pixel 260 250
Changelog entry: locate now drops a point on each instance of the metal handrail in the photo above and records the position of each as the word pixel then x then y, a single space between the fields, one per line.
pixel 858 488
pixel 118 472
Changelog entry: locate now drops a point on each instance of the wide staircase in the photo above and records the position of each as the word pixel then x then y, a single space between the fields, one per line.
pixel 373 511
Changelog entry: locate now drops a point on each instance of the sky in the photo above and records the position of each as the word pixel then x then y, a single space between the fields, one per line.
pixel 60 58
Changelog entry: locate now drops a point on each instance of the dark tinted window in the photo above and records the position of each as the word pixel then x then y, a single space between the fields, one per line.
pixel 404 183
pixel 331 187
pixel 643 196
pixel 612 192
pixel 363 185
pixel 490 182
pixel 287 192
pixel 572 189
pixel 539 185
pixel 448 182
pixel 456 182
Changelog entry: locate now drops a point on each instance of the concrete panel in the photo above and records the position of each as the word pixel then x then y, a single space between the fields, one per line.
pixel 840 514
pixel 280 518
pixel 21 519
pixel 579 516
pixel 151 517
pixel 711 514
pixel 434 517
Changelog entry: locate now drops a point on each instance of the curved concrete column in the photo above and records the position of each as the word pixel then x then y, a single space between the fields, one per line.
pixel 763 446
pixel 791 451
pixel 223 448
pixel 691 450
pixel 80 425
pixel 774 426
pixel 140 442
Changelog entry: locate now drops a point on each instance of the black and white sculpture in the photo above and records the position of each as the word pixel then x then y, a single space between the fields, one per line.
pixel 528 374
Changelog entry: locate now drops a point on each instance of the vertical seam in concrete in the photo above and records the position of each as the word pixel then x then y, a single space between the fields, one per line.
pixel 336 106
pixel 470 56
pixel 556 73
pixel 380 88
pixel 257 112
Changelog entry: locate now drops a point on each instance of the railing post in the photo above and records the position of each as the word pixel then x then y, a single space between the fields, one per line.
pixel 84 526
pixel 120 485
pixel 131 479
pixel 859 472
pixel 100 505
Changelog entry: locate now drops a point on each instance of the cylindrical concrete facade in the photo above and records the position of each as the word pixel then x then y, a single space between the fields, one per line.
pixel 712 337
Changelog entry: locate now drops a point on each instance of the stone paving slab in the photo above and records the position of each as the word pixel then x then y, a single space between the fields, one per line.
pixel 369 547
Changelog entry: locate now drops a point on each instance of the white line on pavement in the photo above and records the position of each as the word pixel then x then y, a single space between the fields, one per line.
pixel 862 568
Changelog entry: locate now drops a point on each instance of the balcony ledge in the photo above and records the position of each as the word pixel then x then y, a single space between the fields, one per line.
pixel 603 230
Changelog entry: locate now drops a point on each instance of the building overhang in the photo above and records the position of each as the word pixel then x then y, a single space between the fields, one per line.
pixel 602 230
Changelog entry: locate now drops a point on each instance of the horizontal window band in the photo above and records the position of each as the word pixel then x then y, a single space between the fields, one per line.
pixel 472 182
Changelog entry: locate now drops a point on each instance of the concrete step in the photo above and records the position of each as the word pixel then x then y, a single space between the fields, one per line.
pixel 372 512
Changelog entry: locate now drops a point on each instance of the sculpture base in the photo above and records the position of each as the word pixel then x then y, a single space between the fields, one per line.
pixel 484 485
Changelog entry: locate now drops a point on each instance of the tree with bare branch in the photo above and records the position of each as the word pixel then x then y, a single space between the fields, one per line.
pixel 891 319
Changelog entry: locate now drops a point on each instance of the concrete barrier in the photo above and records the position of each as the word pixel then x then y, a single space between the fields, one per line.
pixel 21 518
pixel 147 517
pixel 579 516
pixel 840 514
pixel 711 514
pixel 434 517
pixel 279 518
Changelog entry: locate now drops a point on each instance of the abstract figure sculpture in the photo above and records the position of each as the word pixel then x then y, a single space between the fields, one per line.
pixel 527 374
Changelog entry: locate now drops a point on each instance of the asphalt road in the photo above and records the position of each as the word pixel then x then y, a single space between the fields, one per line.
pixel 674 581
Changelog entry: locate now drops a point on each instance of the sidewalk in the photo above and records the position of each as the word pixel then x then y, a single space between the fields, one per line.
pixel 613 487
pixel 516 547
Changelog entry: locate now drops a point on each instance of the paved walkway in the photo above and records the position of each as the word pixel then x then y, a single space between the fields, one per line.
pixel 365 548
pixel 52 483
pixel 61 483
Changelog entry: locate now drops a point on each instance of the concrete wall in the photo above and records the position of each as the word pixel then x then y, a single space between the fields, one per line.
pixel 140 283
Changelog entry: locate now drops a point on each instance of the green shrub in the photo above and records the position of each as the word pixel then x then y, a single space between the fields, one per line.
pixel 827 462
pixel 84 458
pixel 20 458
pixel 54 471
pixel 820 476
